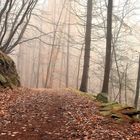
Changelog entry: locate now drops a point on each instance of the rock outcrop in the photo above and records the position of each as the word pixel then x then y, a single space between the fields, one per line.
pixel 8 73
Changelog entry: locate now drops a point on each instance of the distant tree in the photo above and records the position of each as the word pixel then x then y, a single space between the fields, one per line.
pixel 108 47
pixel 14 19
pixel 137 86
pixel 78 70
pixel 84 82
pixel 68 47
pixel 56 26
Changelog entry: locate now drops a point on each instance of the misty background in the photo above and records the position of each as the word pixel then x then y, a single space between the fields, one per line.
pixel 51 52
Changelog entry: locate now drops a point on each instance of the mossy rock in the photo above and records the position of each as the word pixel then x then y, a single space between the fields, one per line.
pixel 107 109
pixel 102 98
pixel 105 112
pixel 130 111
pixel 108 104
pixel 2 79
pixel 118 112
pixel 120 117
pixel 8 73
pixel 111 106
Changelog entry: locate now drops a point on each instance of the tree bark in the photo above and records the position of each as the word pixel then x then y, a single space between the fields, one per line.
pixel 108 47
pixel 137 87
pixel 84 82
pixel 68 48
pixel 78 71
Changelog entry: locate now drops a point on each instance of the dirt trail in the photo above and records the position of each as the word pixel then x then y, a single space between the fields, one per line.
pixel 39 114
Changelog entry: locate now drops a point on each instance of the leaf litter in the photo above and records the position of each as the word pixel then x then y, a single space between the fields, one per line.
pixel 31 114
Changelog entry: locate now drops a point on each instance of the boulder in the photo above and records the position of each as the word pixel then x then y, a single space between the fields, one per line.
pixel 8 73
pixel 119 112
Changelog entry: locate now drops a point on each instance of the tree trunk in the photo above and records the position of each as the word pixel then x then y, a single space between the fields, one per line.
pixel 38 67
pixel 125 84
pixel 137 87
pixel 78 71
pixel 84 82
pixel 53 44
pixel 108 47
pixel 68 48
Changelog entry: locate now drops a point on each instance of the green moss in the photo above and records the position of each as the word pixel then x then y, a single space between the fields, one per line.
pixel 118 112
pixel 113 106
pixel 105 113
pixel 85 94
pixel 102 97
pixel 113 110
pixel 8 73
pixel 2 79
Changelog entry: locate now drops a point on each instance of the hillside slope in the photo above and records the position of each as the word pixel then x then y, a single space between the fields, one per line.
pixel 31 114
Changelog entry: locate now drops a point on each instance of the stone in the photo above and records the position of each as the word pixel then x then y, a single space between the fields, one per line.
pixel 8 74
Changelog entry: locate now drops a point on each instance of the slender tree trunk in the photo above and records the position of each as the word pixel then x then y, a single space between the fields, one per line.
pixel 19 60
pixel 61 67
pixel 40 50
pixel 68 49
pixel 58 51
pixel 78 71
pixel 38 67
pixel 120 92
pixel 126 84
pixel 138 86
pixel 54 65
pixel 33 67
pixel 53 43
pixel 108 47
pixel 84 82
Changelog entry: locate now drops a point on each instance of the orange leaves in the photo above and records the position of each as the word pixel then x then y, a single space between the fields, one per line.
pixel 136 127
pixel 57 114
pixel 2 113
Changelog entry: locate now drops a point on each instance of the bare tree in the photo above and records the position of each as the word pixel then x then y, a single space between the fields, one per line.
pixel 84 82
pixel 53 44
pixel 108 47
pixel 137 86
pixel 79 64
pixel 14 19
pixel 68 48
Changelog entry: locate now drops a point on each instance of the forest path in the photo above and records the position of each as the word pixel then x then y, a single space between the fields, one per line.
pixel 39 114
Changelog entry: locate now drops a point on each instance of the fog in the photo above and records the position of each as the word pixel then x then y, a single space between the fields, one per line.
pixel 51 51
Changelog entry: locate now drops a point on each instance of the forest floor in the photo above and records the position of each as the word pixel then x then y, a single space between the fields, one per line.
pixel 30 114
